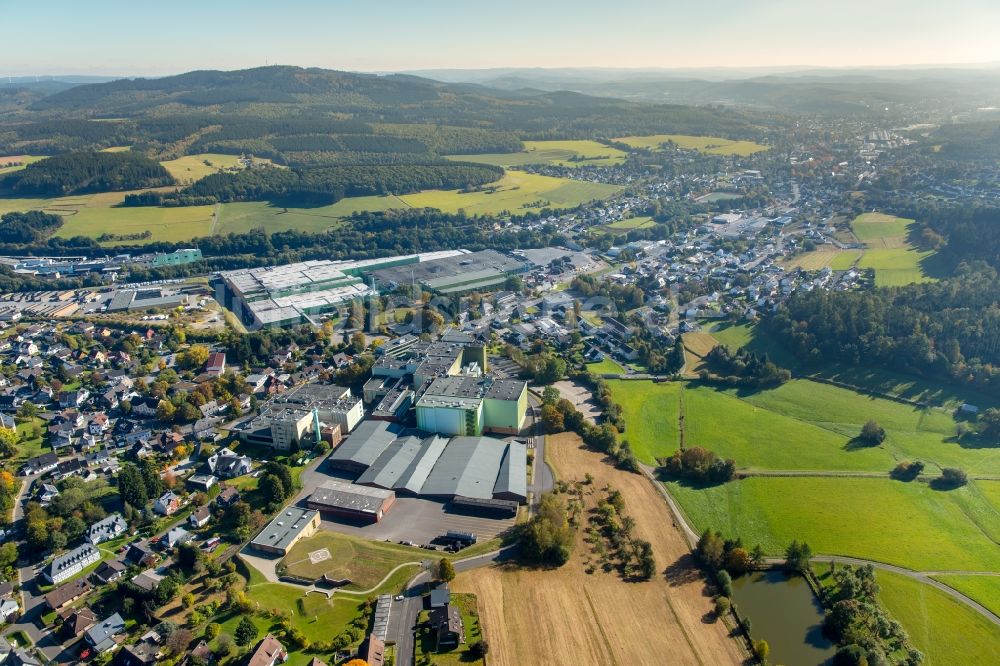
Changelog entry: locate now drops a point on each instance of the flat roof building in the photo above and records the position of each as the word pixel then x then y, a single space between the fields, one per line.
pixel 463 405
pixel 289 420
pixel 285 530
pixel 349 500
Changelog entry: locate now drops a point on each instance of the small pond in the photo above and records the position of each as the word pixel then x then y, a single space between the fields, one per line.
pixel 784 612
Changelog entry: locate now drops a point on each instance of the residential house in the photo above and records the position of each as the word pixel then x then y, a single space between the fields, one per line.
pixel 71 467
pixel 40 464
pixel 227 497
pixel 226 464
pixel 176 536
pixel 269 652
pixel 216 364
pixel 47 493
pixel 373 651
pixel 144 406
pixel 73 398
pixel 167 504
pixel 446 622
pixel 139 654
pixel 102 635
pixel 148 580
pixel 107 529
pixel 76 621
pixel 98 424
pixel 108 571
pixel 200 517
pixel 203 482
pixel 8 610
pixel 70 564
pixel 66 594
pixel 139 554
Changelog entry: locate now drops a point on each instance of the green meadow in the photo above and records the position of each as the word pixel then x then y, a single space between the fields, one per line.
pixel 241 217
pixel 631 223
pixel 17 162
pixel 706 144
pixel 166 224
pixel 983 589
pixel 517 192
pixel 945 630
pixel 652 413
pixel 908 524
pixel 801 425
pixel 190 168
pixel 560 153
pixel 888 252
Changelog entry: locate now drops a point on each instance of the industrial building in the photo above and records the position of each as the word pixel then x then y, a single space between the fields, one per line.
pixel 351 501
pixel 301 292
pixel 285 530
pixel 460 273
pixel 303 416
pixel 465 405
pixel 144 299
pixel 415 463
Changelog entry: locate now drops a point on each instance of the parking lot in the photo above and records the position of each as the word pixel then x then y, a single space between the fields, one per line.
pixel 419 521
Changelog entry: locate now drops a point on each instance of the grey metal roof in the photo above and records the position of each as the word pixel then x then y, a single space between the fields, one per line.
pixel 513 476
pixel 285 528
pixel 366 443
pixel 350 496
pixel 468 466
pixel 406 463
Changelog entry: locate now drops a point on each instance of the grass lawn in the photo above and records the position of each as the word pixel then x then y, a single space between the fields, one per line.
pixel 823 257
pixel 166 224
pixel 606 367
pixel 888 252
pixel 945 630
pixel 651 414
pixel 242 217
pixel 732 335
pixel 760 438
pixel 908 524
pixel 190 168
pixel 517 192
pixel 362 561
pixel 631 223
pixel 911 432
pixel 706 144
pixel 35 446
pixel 562 153
pixel 984 589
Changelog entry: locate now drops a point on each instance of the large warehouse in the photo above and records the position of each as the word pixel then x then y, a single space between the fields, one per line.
pixel 349 500
pixel 296 293
pixel 457 274
pixel 417 464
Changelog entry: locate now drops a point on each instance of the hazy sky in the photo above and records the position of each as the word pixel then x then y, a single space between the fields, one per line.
pixel 144 37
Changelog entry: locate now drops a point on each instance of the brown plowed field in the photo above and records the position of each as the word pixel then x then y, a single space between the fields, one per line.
pixel 566 616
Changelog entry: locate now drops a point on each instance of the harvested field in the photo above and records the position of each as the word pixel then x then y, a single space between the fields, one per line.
pixel 576 618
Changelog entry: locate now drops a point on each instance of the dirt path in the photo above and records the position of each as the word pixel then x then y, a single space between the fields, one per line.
pixel 571 617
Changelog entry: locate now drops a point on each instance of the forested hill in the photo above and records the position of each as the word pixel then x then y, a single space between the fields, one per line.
pixel 273 92
pixel 81 172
